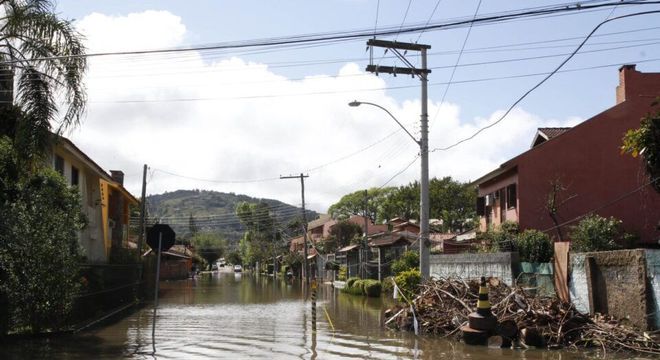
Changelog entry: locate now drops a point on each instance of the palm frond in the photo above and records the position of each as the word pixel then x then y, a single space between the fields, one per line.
pixel 40 47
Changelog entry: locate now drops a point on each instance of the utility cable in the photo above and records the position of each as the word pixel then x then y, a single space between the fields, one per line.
pixel 453 71
pixel 545 78
pixel 360 34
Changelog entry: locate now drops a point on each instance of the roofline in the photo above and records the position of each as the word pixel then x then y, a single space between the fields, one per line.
pixel 512 162
pixel 95 166
pixel 495 173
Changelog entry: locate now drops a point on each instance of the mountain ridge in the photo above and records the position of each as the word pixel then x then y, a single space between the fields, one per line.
pixel 213 211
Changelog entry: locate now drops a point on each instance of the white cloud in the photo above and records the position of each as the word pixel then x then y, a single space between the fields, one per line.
pixel 228 126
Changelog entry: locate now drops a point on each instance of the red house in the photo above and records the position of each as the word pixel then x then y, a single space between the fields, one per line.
pixel 582 170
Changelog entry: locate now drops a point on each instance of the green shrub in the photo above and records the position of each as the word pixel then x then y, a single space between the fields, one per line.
pixel 371 287
pixel 408 282
pixel 596 233
pixel 409 260
pixel 500 238
pixel 39 251
pixel 387 284
pixel 534 246
pixel 343 273
pixel 509 227
pixel 351 280
pixel 354 286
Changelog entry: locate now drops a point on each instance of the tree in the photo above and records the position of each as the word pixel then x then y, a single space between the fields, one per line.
pixel 234 258
pixel 39 251
pixel 450 200
pixel 210 246
pixel 645 141
pixel 345 233
pixel 453 202
pixel 260 237
pixel 354 204
pixel 30 30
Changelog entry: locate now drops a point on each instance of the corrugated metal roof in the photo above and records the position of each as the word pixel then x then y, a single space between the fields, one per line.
pixel 551 132
pixel 348 248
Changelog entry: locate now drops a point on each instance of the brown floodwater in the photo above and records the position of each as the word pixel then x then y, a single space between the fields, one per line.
pixel 235 316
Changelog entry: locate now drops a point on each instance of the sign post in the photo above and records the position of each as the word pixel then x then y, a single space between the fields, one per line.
pixel 160 237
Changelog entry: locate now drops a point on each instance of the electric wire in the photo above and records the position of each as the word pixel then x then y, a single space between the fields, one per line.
pixel 544 79
pixel 453 71
pixel 360 34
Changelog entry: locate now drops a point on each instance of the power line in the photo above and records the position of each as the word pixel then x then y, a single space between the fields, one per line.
pixel 361 34
pixel 458 60
pixel 330 92
pixel 429 20
pixel 544 79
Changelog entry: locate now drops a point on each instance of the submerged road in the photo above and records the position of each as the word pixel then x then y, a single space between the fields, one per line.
pixel 234 316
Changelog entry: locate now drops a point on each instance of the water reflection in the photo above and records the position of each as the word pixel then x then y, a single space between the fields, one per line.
pixel 230 315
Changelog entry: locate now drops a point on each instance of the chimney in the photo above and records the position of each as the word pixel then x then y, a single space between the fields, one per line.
pixel 118 176
pixel 625 76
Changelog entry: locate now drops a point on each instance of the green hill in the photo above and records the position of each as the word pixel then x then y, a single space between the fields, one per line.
pixel 212 211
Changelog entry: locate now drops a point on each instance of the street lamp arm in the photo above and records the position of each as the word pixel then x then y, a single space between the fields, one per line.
pixel 358 103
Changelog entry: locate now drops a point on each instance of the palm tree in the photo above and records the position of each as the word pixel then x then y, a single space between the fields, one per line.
pixel 42 64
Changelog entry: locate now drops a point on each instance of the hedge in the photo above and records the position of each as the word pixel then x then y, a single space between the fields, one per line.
pixel 357 286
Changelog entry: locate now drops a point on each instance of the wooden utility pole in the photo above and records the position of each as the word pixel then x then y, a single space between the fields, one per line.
pixel 143 210
pixel 304 220
pixel 410 69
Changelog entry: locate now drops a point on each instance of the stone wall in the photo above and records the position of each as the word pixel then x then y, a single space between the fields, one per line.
pixel 473 266
pixel 653 276
pixel 611 282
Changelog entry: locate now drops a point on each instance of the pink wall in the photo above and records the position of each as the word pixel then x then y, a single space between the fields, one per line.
pixel 588 163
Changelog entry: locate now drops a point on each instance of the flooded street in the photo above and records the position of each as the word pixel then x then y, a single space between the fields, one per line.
pixel 227 315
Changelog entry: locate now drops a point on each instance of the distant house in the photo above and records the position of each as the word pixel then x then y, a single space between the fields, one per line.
pixel 104 201
pixel 176 263
pixel 582 169
pixel 388 247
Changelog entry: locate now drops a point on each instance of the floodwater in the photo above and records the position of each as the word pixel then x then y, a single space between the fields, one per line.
pixel 235 316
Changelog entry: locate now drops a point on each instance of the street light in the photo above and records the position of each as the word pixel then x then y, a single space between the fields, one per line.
pixel 356 103
pixel 423 188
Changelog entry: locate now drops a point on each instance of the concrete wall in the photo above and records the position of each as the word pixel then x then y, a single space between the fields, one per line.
pixel 653 276
pixel 611 282
pixel 473 266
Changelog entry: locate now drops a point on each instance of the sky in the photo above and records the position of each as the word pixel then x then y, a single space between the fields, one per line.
pixel 236 120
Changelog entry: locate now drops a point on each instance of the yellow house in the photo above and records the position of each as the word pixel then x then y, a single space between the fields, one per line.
pixel 104 201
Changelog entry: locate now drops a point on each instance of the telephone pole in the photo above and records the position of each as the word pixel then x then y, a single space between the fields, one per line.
pixel 304 219
pixel 143 210
pixel 363 247
pixel 422 74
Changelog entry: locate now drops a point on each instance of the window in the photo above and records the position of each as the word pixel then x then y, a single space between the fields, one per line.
pixel 481 206
pixel 59 164
pixel 74 176
pixel 511 196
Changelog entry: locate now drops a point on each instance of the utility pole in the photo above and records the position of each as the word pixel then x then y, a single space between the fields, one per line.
pixel 422 74
pixel 363 248
pixel 143 210
pixel 304 219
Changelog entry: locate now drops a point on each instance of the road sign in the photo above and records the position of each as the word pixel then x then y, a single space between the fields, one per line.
pixel 168 236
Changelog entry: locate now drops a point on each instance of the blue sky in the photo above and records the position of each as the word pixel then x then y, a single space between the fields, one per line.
pixel 330 130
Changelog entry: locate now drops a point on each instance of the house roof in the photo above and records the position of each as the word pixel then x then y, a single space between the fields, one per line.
pixel 348 248
pixel 441 236
pixel 173 252
pixel 547 133
pixel 72 148
pixel 388 239
pixel 407 223
pixel 323 218
pixel 298 240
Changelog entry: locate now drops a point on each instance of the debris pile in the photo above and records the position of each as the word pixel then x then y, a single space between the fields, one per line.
pixel 444 305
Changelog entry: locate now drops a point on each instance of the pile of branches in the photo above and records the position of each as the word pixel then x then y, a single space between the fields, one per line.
pixel 444 305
